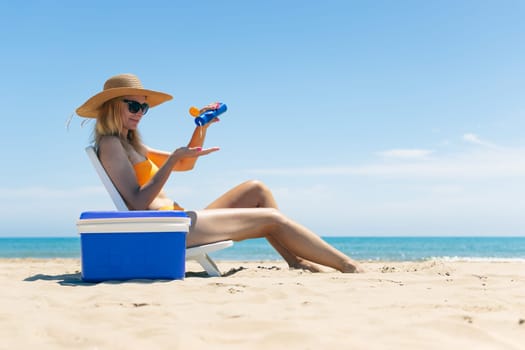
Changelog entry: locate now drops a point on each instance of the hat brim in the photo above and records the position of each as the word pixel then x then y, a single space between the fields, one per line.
pixel 91 108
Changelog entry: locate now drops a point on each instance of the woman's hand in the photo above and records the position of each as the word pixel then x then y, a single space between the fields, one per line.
pixel 193 152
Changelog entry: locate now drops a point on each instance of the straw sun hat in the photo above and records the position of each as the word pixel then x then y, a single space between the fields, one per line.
pixel 120 85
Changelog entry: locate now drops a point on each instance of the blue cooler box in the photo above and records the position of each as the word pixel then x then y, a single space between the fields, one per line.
pixel 133 244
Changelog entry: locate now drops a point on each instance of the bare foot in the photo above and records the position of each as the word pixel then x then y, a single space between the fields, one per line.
pixel 306 265
pixel 352 267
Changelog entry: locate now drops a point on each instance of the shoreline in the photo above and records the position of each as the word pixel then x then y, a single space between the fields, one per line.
pixel 367 249
pixel 263 304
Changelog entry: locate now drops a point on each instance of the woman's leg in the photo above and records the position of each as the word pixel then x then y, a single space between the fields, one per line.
pixel 254 194
pixel 238 224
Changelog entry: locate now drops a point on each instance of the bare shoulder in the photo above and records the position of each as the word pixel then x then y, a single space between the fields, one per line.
pixel 110 149
pixel 109 141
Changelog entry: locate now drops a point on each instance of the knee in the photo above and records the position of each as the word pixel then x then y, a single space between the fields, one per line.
pixel 276 218
pixel 259 189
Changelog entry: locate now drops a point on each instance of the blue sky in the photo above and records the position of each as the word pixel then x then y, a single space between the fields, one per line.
pixel 364 117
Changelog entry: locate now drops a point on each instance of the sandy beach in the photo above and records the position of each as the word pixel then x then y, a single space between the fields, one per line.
pixel 263 305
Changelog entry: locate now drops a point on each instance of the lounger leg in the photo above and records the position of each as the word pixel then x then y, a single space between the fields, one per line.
pixel 209 265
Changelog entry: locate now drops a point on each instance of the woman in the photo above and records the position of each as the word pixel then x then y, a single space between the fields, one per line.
pixel 139 173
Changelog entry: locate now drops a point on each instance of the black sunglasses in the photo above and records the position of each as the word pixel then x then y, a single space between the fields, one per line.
pixel 135 107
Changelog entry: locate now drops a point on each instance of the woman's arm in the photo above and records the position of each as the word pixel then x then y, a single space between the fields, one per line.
pixel 115 160
pixel 197 140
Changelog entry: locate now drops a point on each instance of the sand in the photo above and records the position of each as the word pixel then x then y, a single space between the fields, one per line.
pixel 264 305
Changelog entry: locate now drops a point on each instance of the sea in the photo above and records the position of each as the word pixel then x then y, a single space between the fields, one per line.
pixel 359 248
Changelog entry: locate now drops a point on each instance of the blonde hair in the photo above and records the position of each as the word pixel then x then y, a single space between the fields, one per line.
pixel 109 123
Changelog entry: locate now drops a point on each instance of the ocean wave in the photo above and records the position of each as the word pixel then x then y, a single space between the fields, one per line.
pixel 476 259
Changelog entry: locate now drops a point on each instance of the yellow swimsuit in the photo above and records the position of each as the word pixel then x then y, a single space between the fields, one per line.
pixel 144 171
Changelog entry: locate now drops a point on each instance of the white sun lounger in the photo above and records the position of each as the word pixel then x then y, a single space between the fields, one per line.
pixel 198 253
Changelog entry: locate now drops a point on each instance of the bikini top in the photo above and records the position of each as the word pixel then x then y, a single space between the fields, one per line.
pixel 144 171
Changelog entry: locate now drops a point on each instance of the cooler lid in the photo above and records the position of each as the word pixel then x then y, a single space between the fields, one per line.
pixel 133 221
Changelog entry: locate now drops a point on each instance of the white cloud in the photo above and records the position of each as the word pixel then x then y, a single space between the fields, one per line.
pixel 406 153
pixel 478 164
pixel 46 193
pixel 474 139
pixel 48 211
